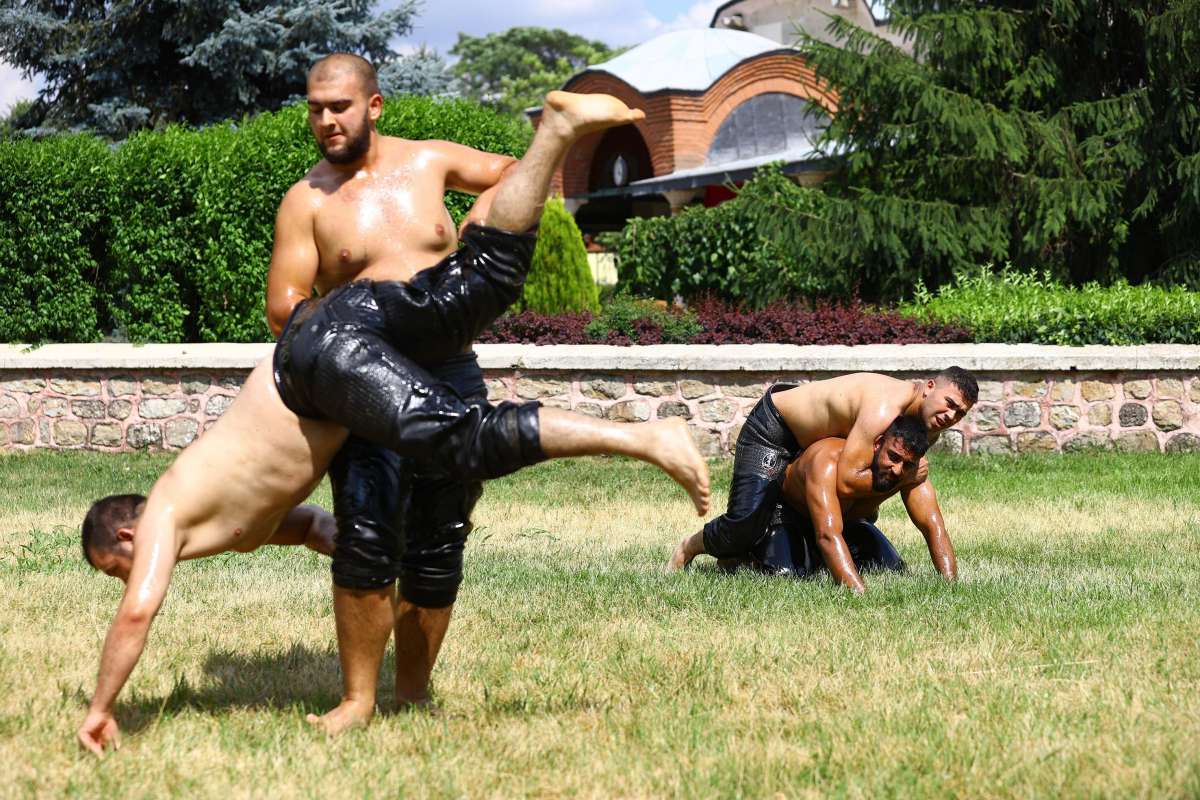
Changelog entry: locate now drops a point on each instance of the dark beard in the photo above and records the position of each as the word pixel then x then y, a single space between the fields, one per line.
pixel 880 481
pixel 354 149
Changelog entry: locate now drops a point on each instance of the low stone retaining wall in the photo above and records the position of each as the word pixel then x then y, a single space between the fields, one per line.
pixel 1032 398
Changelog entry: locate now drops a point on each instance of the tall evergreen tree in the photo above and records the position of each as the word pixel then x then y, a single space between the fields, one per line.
pixel 118 65
pixel 1062 134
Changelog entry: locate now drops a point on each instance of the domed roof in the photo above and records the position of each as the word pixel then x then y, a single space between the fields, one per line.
pixel 689 61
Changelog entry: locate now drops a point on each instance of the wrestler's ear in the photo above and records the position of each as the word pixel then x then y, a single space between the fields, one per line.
pixel 125 534
pixel 375 107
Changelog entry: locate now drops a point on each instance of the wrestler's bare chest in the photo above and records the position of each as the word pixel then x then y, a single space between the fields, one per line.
pixel 388 222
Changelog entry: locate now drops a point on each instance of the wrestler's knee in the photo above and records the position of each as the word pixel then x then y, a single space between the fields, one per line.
pixel 431 574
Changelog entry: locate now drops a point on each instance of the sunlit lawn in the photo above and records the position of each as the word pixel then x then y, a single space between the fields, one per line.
pixel 1063 664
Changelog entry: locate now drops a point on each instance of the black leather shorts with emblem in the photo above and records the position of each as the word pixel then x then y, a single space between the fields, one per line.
pixel 765 447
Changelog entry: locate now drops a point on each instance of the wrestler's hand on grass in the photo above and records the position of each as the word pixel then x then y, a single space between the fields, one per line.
pixel 98 731
pixel 922 470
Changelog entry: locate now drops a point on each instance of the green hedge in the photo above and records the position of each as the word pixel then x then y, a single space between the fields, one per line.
pixel 1009 306
pixel 168 237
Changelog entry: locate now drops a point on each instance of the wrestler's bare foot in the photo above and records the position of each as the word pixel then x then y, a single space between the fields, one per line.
pixel 679 558
pixel 672 449
pixel 348 715
pixel 574 115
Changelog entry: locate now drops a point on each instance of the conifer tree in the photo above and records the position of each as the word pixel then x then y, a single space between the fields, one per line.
pixel 1059 134
pixel 560 280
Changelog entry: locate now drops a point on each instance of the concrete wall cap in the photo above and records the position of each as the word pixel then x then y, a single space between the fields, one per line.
pixel 760 358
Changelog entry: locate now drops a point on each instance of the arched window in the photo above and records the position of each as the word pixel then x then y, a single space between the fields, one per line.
pixel 764 125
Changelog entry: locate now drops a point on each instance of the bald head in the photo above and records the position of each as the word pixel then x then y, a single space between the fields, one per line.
pixel 337 66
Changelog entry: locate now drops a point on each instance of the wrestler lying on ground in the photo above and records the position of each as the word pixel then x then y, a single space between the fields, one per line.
pixel 822 528
pixel 397 519
pixel 789 419
pixel 338 367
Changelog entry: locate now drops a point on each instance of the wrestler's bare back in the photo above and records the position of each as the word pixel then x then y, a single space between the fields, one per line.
pixel 831 407
pixel 230 488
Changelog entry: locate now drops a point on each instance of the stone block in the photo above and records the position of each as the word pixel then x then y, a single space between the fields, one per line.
pixel 655 388
pixel 718 410
pixel 23 432
pixel 88 409
pixel 1092 440
pixel 1063 391
pixel 949 442
pixel 534 388
pixel 193 405
pixel 743 388
pixel 120 409
pixel 196 384
pixel 1023 414
pixel 52 407
pixel 556 402
pixel 591 409
pixel 734 432
pixel 1168 415
pixel 991 445
pixel 496 390
pixel 161 408
pixel 602 388
pixel 1100 415
pixel 674 408
pixel 231 382
pixel 707 442
pixel 1036 442
pixel 159 386
pixel 1195 392
pixel 180 432
pixel 991 391
pixel 74 388
pixel 1132 415
pixel 1184 443
pixel 69 433
pixel 1064 417
pixel 143 435
pixel 218 404
pixel 691 389
pixel 121 386
pixel 986 418
pixel 3 435
pixel 27 386
pixel 1138 390
pixel 106 434
pixel 1097 390
pixel 1170 389
pixel 9 408
pixel 43 427
pixel 1137 442
pixel 629 411
pixel 1029 388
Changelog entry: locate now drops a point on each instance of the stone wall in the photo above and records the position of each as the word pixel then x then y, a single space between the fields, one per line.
pixel 118 397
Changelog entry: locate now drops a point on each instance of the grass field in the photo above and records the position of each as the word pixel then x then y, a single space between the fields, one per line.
pixel 1064 663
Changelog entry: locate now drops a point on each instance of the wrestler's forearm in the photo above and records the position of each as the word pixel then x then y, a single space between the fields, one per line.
pixel 941 552
pixel 838 560
pixel 122 648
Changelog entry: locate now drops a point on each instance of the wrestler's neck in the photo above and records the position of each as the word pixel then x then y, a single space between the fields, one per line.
pixel 913 407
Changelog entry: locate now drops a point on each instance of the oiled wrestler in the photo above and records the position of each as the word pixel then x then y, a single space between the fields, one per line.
pixel 789 419
pixel 339 366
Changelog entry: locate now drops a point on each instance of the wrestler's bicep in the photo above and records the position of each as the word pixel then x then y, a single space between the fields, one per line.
pixel 294 260
pixel 470 170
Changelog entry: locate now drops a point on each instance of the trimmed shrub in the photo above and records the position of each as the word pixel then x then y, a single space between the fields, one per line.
pixel 54 200
pixel 559 279
pixel 627 320
pixel 1010 306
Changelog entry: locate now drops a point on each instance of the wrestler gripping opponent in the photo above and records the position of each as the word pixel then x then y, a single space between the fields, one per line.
pixel 821 527
pixel 341 364
pixel 373 206
pixel 789 419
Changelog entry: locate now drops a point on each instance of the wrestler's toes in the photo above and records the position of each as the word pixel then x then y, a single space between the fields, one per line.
pixel 346 716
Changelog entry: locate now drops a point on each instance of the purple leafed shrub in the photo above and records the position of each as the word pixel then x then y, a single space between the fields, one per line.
pixel 722 323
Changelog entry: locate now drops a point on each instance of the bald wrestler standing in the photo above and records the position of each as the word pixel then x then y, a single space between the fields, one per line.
pixel 789 419
pixel 375 205
pixel 338 366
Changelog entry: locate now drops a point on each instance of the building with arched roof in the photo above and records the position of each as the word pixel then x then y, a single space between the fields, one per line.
pixel 720 102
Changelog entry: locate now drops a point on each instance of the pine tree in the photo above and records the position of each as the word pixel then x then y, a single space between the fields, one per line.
pixel 560 280
pixel 115 66
pixel 1059 134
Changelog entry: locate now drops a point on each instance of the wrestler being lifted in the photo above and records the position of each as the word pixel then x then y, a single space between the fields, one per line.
pixel 348 362
pixel 789 419
pixel 820 528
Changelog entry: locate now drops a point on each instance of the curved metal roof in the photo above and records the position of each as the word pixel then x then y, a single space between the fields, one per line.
pixel 690 60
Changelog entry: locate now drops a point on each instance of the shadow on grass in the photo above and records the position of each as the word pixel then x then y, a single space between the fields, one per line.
pixel 297 680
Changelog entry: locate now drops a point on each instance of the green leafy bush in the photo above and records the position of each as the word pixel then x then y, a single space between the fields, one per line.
pixel 168 238
pixel 54 201
pixel 560 281
pixel 719 251
pixel 1011 306
pixel 629 320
